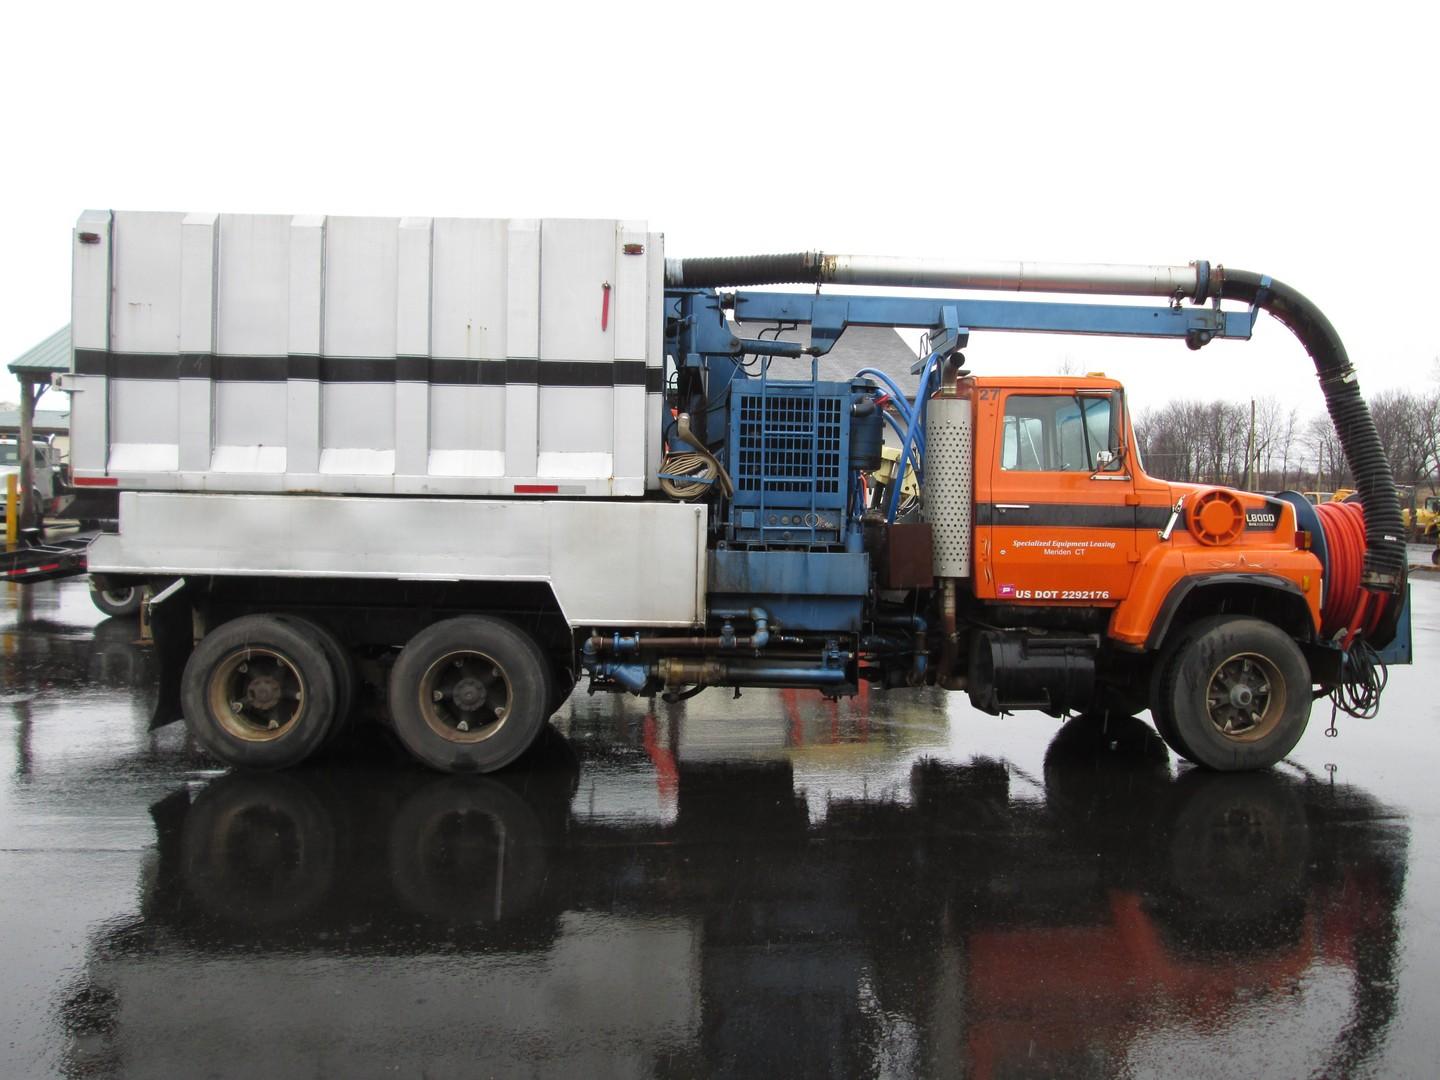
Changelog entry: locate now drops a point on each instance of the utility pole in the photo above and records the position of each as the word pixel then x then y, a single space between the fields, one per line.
pixel 30 391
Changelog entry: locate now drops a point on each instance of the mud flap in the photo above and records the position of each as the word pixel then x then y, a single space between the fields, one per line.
pixel 1401 649
pixel 172 626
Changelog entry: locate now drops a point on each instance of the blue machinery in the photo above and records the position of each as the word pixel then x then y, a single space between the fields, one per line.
pixel 784 436
pixel 788 546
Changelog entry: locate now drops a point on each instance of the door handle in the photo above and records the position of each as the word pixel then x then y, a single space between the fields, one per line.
pixel 1012 506
pixel 1175 512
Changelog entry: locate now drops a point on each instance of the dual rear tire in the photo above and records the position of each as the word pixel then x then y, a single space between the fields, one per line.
pixel 259 692
pixel 469 694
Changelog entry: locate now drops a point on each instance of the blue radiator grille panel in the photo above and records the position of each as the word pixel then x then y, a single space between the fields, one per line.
pixel 789 461
pixel 783 449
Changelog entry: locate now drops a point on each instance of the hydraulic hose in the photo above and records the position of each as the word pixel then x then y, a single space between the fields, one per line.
pixel 1384 566
pixel 680 467
pixel 1348 609
pixel 908 446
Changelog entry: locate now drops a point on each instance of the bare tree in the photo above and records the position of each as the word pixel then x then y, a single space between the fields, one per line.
pixel 1427 424
pixel 1267 438
pixel 1324 447
pixel 1398 421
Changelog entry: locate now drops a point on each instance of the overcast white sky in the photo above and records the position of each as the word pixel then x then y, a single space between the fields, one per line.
pixel 1290 139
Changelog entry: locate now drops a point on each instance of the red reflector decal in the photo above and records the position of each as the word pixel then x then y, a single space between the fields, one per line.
pixel 537 489
pixel 94 481
pixel 33 570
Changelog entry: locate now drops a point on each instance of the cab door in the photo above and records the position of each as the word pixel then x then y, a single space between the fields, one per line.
pixel 1056 521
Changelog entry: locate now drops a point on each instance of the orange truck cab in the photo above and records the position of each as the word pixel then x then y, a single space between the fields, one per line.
pixel 1065 514
pixel 1097 587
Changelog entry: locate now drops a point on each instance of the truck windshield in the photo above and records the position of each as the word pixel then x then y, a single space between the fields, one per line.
pixel 9 454
pixel 1054 432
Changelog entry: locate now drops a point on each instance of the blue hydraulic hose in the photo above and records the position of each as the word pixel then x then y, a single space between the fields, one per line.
pixel 900 434
pixel 894 425
pixel 901 401
pixel 917 422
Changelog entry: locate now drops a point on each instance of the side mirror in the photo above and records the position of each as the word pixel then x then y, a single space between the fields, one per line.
pixel 1109 460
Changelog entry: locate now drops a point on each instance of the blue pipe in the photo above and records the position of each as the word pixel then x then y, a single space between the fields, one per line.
pixel 919 625
pixel 622 644
pixel 758 615
pixel 631 676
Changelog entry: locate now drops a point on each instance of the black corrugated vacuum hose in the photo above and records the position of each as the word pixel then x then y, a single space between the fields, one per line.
pixel 1385 555
pixel 739 270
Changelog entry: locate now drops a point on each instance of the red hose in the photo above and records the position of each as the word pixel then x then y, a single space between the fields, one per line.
pixel 1347 606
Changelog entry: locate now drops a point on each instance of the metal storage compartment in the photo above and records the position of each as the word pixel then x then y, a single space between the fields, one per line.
pixel 438 356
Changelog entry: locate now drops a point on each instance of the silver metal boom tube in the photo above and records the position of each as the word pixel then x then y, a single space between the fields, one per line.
pixel 814 267
pixel 1100 278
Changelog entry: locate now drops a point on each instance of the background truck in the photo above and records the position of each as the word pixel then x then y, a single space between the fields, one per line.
pixel 482 459
pixel 1422 524
pixel 48 475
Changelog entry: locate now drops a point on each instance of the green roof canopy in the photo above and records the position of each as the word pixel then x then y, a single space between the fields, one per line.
pixel 51 355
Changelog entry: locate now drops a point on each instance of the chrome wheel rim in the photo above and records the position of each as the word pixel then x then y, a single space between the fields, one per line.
pixel 1245 697
pixel 256 694
pixel 465 696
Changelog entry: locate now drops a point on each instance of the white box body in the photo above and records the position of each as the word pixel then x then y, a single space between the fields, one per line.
pixel 375 356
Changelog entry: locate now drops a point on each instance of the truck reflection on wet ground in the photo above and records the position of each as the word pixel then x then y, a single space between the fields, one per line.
pixel 1123 904
pixel 654 893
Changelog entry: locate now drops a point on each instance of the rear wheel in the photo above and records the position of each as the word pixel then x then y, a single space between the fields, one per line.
pixel 470 694
pixel 342 666
pixel 259 692
pixel 117 601
pixel 1237 692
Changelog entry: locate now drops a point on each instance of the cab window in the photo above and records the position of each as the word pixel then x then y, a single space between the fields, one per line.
pixel 1055 432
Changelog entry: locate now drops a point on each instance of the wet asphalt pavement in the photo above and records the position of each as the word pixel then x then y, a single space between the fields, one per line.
pixel 891 886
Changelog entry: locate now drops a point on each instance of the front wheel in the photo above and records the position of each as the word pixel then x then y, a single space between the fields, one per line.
pixel 1237 693
pixel 470 694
